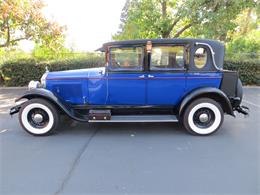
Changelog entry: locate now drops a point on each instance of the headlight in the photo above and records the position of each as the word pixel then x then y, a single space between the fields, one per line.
pixel 33 85
pixel 43 79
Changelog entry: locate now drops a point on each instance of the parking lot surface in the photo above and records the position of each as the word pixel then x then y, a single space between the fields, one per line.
pixel 131 158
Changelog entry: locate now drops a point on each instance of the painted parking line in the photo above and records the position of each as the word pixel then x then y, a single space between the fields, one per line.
pixel 251 103
pixel 2 131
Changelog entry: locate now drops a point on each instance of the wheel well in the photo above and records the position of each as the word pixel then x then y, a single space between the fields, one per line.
pixel 214 96
pixel 29 97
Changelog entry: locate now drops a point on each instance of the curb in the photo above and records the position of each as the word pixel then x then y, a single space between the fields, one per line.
pixel 251 86
pixel 13 87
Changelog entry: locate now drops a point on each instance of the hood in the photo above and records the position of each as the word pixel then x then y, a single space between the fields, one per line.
pixel 79 73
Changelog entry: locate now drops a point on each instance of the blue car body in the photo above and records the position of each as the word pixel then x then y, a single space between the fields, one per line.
pixel 98 87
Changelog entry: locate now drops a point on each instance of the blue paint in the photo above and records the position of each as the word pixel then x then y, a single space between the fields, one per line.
pixel 126 89
pixel 98 87
pixel 203 79
pixel 165 88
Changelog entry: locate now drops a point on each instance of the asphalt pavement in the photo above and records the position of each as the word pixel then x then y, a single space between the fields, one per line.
pixel 130 158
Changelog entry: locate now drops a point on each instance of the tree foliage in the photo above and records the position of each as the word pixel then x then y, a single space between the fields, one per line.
pixel 176 18
pixel 24 20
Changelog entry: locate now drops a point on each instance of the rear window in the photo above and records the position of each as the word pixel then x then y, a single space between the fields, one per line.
pixel 200 58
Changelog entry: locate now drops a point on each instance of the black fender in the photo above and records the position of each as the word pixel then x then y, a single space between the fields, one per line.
pixel 48 95
pixel 209 92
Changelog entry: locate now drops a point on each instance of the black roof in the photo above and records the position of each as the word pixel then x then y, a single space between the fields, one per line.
pixel 157 41
pixel 217 47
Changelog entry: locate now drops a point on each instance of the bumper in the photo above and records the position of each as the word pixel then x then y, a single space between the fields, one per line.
pixel 243 110
pixel 15 110
pixel 236 104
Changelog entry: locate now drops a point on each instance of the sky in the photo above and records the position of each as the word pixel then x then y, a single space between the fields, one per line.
pixel 90 23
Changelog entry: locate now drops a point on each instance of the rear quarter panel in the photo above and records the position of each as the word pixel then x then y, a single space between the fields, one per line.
pixel 203 79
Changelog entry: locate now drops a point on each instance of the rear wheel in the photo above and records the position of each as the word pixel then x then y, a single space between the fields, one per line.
pixel 38 117
pixel 203 116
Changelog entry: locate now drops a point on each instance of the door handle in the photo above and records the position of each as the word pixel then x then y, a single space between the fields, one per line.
pixel 150 76
pixel 142 76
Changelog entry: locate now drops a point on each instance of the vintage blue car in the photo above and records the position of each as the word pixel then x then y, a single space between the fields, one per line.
pixel 155 80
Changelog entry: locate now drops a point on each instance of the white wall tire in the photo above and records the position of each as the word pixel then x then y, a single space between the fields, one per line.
pixel 203 116
pixel 38 117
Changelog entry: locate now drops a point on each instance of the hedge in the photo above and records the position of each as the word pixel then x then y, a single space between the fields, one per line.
pixel 20 72
pixel 249 71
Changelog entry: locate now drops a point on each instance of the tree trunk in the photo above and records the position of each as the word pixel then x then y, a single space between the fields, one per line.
pixel 8 35
pixel 164 9
pixel 244 31
pixel 164 15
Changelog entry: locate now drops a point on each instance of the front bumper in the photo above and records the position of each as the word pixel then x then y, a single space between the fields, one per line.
pixel 15 109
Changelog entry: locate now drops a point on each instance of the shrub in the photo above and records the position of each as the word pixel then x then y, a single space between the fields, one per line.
pixel 19 72
pixel 249 71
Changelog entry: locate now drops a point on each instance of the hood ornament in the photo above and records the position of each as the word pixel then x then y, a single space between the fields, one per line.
pixel 46 69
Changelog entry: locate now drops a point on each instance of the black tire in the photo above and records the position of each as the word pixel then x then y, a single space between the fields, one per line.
pixel 203 116
pixel 49 115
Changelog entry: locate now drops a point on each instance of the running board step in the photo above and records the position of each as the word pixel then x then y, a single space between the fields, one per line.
pixel 138 118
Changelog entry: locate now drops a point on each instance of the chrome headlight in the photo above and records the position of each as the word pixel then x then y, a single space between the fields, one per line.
pixel 43 79
pixel 33 85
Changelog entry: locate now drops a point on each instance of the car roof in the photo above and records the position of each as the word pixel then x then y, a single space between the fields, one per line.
pixel 158 41
pixel 218 47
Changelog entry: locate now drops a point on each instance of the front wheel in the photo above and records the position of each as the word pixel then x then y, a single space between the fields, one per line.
pixel 203 116
pixel 38 117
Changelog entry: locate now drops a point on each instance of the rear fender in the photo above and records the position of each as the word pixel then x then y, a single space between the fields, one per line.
pixel 209 92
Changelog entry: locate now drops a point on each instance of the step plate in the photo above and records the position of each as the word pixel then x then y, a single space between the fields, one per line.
pixel 138 118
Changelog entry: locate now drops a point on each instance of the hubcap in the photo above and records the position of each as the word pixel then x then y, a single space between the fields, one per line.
pixel 38 118
pixel 203 118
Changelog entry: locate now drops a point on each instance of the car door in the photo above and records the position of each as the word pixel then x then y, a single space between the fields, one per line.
pixel 125 76
pixel 166 79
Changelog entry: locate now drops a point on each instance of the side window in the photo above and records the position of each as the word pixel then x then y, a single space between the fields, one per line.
pixel 126 58
pixel 167 58
pixel 200 57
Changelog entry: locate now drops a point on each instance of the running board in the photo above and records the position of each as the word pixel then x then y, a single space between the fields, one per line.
pixel 138 118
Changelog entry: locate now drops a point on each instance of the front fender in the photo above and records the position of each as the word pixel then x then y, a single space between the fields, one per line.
pixel 209 92
pixel 48 95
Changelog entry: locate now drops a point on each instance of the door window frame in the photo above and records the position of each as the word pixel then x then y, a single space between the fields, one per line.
pixel 186 53
pixel 115 70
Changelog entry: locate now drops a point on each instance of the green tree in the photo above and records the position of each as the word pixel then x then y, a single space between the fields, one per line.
pixel 176 18
pixel 24 20
pixel 244 41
